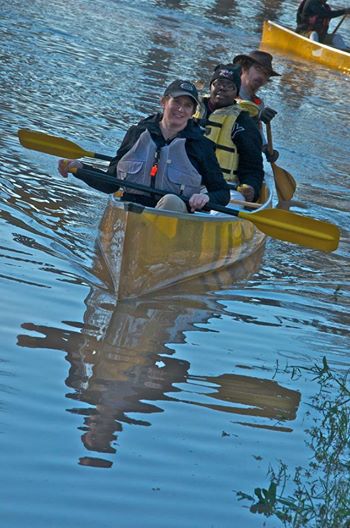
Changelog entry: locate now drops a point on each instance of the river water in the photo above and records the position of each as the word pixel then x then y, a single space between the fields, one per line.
pixel 155 412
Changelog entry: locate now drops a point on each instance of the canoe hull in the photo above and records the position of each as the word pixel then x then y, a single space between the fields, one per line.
pixel 277 37
pixel 149 249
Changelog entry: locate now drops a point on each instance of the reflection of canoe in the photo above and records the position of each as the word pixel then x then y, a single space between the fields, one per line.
pixel 281 38
pixel 149 249
pixel 123 369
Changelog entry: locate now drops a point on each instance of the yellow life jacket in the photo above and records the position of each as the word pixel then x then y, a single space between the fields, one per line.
pixel 218 129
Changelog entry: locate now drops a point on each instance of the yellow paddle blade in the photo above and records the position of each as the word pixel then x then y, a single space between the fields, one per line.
pixel 295 228
pixel 56 146
pixel 284 182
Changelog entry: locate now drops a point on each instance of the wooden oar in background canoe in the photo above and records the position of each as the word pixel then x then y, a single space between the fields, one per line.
pixel 338 25
pixel 284 182
pixel 276 223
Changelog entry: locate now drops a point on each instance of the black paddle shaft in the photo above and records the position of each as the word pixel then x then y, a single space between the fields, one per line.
pixel 94 178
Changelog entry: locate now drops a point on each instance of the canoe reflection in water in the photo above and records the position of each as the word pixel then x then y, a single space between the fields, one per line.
pixel 120 364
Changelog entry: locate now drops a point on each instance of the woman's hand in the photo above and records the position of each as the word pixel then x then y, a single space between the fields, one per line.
pixel 65 165
pixel 198 201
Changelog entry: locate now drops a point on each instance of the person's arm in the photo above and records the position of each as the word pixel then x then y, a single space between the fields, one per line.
pixel 129 140
pixel 93 181
pixel 315 8
pixel 247 139
pixel 338 12
pixel 212 177
pixel 126 144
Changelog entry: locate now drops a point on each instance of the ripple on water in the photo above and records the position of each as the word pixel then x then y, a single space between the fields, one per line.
pixel 153 412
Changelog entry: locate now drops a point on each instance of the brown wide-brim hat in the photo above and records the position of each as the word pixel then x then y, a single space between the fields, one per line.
pixel 262 58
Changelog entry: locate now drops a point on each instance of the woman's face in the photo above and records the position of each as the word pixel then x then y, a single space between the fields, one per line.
pixel 178 110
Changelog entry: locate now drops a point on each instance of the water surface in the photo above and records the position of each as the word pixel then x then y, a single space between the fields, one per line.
pixel 154 412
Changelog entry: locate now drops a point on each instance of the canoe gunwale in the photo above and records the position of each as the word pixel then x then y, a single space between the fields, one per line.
pixel 282 38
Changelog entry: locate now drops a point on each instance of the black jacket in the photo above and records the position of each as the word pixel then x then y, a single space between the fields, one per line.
pixel 247 138
pixel 314 15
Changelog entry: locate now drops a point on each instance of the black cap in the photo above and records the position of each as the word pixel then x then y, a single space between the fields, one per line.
pixel 228 71
pixel 179 87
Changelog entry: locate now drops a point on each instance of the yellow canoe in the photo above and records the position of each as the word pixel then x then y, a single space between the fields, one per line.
pixel 280 38
pixel 149 249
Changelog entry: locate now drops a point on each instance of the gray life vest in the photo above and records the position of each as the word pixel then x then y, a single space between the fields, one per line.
pixel 175 173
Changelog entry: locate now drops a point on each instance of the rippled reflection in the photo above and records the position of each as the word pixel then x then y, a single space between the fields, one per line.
pixel 121 363
pixel 183 382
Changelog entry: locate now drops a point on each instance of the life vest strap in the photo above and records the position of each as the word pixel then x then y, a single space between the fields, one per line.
pixel 226 149
pixel 214 124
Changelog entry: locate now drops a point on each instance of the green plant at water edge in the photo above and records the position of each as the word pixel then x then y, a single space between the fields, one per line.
pixel 321 491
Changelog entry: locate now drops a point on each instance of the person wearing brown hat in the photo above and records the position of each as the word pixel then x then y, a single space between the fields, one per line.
pixel 235 134
pixel 256 72
pixel 313 17
pixel 166 151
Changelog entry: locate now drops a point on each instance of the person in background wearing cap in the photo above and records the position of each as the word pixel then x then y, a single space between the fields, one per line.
pixel 256 72
pixel 235 134
pixel 167 151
